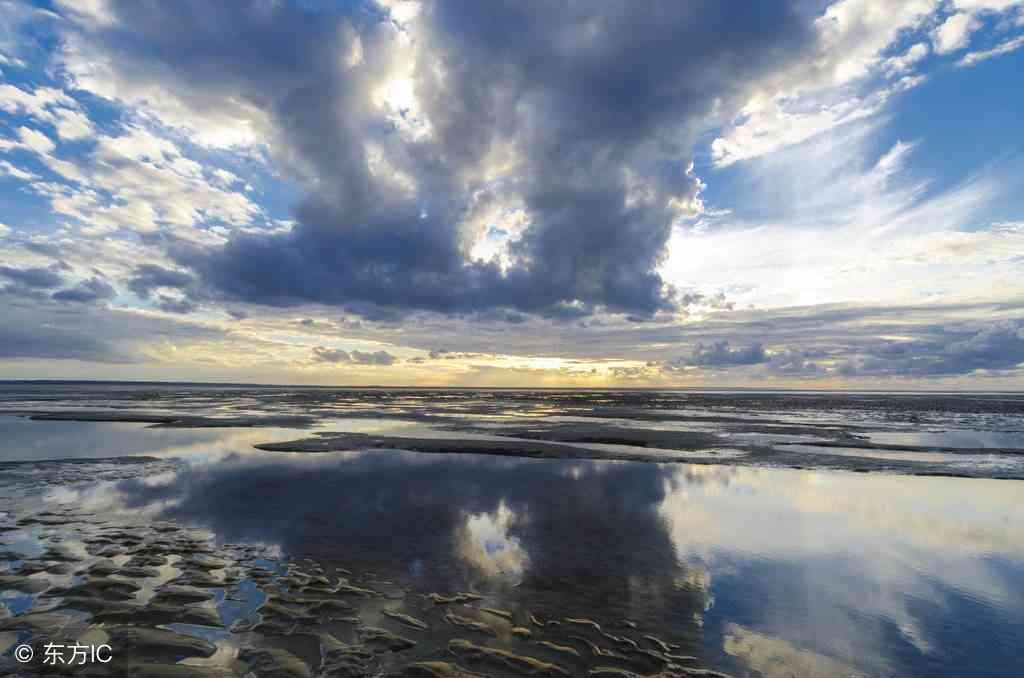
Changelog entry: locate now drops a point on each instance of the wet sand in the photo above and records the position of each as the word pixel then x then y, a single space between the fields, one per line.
pixel 781 430
pixel 163 595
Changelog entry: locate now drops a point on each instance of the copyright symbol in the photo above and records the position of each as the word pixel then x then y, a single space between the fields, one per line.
pixel 23 653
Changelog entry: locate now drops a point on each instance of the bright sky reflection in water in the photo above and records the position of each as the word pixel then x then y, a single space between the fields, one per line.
pixel 953 438
pixel 886 574
pixel 772 569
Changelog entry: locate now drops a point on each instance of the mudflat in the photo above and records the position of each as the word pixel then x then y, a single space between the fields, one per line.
pixel 350 532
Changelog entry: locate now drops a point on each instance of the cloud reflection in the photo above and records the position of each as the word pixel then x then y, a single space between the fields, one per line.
pixel 484 542
pixel 851 566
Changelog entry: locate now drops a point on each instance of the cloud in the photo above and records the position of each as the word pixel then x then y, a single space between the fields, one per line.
pixel 797 363
pixel 35 278
pixel 835 84
pixel 853 344
pixel 147 277
pixel 521 184
pixel 1005 47
pixel 40 103
pixel 719 354
pixel 133 179
pixel 48 105
pixel 995 346
pixel 852 217
pixel 17 172
pixel 44 330
pixel 445 354
pixel 180 293
pixel 72 125
pixel 392 149
pixel 986 5
pixel 954 33
pixel 172 304
pixel 18 341
pixel 904 62
pixel 35 140
pixel 865 53
pixel 86 291
pixel 375 358
pixel 331 355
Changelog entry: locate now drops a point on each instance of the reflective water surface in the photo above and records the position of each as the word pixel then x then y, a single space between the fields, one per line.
pixel 954 438
pixel 758 571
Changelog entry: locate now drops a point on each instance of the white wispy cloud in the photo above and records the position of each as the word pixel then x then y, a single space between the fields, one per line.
pixel 847 226
pixel 954 33
pixel 135 180
pixel 854 73
pixel 1011 45
pixel 35 140
pixel 49 106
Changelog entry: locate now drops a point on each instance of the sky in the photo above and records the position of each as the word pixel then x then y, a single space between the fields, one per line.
pixel 677 193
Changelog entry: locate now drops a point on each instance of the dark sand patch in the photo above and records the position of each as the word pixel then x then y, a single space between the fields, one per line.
pixel 512 448
pixel 958 464
pixel 172 420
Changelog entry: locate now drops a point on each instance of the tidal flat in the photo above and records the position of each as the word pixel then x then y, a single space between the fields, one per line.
pixel 284 531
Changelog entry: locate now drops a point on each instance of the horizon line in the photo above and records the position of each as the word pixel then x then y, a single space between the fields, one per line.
pixel 151 382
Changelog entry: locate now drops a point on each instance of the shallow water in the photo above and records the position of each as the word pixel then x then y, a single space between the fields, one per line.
pixel 1003 461
pixel 954 438
pixel 754 570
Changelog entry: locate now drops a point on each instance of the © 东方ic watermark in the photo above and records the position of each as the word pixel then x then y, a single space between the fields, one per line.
pixel 74 654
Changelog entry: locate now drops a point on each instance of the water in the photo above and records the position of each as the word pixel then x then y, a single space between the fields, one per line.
pixel 955 438
pixel 755 569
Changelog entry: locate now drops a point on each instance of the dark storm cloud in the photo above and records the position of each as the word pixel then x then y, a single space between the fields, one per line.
pixel 86 291
pixel 333 355
pixel 593 100
pixel 32 278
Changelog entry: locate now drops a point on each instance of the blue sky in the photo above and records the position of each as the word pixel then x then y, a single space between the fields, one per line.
pixel 403 192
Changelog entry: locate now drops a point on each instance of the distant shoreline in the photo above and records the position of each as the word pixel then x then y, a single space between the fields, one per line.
pixel 382 387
